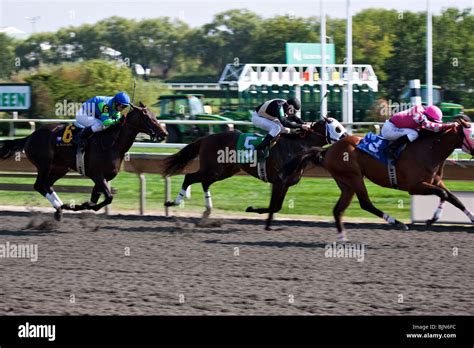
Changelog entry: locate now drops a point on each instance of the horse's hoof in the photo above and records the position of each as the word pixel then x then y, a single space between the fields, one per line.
pixel 169 203
pixel 58 215
pixel 249 209
pixel 342 238
pixel 430 222
pixel 404 227
pixel 268 228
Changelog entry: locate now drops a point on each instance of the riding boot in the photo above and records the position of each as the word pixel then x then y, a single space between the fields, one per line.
pixel 83 137
pixel 391 150
pixel 262 146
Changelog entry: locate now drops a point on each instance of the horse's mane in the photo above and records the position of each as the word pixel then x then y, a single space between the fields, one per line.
pixel 298 135
pixel 463 117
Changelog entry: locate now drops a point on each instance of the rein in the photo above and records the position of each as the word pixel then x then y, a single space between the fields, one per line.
pixel 140 115
pixel 464 141
pixel 304 133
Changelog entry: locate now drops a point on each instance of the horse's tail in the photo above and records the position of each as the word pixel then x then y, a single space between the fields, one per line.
pixel 9 147
pixel 300 162
pixel 176 163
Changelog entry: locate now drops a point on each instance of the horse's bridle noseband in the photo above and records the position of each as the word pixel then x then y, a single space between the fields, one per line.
pixel 326 135
pixel 464 141
pixel 151 131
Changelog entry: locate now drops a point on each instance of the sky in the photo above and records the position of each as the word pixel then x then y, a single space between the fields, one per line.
pixel 55 14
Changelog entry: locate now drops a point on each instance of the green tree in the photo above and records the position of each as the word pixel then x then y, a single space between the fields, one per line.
pixel 453 54
pixel 228 38
pixel 7 57
pixel 408 54
pixel 159 43
pixel 269 46
pixel 74 83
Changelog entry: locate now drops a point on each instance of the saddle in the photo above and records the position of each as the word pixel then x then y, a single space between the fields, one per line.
pixel 67 135
pixel 375 146
pixel 246 154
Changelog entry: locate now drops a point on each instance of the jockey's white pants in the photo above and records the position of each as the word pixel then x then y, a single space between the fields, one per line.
pixel 84 120
pixel 272 127
pixel 392 132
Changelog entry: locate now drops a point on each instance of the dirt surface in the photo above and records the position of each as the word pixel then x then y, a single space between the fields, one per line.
pixel 132 265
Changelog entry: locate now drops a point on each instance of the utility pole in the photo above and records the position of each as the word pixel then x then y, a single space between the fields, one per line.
pixel 429 53
pixel 324 106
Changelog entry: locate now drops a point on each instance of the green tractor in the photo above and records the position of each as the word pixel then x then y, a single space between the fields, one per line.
pixel 450 110
pixel 190 107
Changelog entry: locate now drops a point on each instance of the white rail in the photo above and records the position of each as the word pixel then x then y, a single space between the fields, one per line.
pixel 176 145
pixel 205 122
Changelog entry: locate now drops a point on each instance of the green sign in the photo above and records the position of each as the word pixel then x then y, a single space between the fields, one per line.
pixel 15 97
pixel 308 53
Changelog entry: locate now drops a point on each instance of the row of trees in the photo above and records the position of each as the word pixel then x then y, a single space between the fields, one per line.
pixel 393 42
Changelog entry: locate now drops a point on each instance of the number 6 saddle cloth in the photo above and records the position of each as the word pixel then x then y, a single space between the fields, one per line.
pixel 67 135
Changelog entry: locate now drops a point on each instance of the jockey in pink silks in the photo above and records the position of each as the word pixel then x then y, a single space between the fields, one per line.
pixel 403 127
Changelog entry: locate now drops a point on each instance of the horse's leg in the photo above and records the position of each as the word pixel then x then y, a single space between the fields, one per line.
pixel 95 195
pixel 347 193
pixel 189 179
pixel 366 204
pixel 279 190
pixel 43 186
pixel 55 175
pixel 451 198
pixel 101 186
pixel 207 198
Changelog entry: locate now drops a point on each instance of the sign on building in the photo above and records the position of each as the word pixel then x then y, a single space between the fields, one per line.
pixel 15 96
pixel 309 53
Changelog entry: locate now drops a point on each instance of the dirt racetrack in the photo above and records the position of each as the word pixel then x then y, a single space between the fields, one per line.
pixel 174 267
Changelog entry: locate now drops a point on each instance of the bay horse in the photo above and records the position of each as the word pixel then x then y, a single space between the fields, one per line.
pixel 419 170
pixel 102 160
pixel 322 132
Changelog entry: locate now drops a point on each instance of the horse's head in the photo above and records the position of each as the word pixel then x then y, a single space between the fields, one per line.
pixel 144 120
pixel 466 132
pixel 330 129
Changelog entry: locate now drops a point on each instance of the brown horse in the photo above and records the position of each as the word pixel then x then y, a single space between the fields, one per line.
pixel 103 156
pixel 419 170
pixel 211 169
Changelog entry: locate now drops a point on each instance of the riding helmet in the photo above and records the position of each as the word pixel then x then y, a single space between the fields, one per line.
pixel 122 98
pixel 434 113
pixel 295 102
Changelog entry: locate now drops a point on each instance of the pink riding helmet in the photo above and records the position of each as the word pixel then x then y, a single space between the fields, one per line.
pixel 434 113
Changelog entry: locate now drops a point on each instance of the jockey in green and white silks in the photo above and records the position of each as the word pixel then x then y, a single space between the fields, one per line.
pixel 99 113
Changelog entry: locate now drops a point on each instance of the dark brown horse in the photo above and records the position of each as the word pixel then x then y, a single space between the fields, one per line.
pixel 419 170
pixel 103 156
pixel 212 170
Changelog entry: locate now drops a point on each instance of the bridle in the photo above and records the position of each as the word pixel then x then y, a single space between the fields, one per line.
pixel 464 141
pixel 326 135
pixel 145 121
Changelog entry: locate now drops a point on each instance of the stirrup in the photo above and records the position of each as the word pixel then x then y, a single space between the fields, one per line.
pixel 262 154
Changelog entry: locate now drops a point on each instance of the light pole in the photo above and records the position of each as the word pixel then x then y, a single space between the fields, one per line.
pixel 349 98
pixel 323 100
pixel 33 20
pixel 429 53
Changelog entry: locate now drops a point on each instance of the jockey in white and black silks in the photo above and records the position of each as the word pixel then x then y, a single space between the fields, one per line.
pixel 277 116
